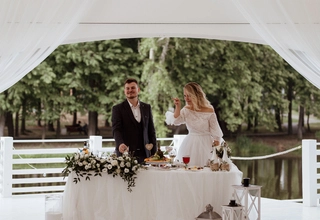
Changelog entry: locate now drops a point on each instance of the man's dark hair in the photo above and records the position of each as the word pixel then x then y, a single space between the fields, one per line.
pixel 130 80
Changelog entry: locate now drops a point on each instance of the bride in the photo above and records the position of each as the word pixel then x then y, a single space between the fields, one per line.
pixel 202 124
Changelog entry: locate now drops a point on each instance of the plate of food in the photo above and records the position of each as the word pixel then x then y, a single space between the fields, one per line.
pixel 157 159
pixel 153 161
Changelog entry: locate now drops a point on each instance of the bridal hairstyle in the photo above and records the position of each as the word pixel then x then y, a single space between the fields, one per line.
pixel 197 96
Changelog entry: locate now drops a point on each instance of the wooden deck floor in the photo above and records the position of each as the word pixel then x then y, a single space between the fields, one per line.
pixel 33 208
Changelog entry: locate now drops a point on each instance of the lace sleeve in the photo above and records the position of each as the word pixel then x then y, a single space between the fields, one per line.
pixel 215 129
pixel 171 120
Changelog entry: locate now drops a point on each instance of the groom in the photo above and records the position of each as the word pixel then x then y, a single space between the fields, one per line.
pixel 132 124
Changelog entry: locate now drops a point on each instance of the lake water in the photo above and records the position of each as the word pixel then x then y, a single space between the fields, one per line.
pixel 280 178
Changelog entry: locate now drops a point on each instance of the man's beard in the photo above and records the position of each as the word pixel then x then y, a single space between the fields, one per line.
pixel 131 96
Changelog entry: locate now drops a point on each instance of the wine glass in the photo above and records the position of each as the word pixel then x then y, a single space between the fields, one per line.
pixel 149 147
pixel 169 149
pixel 186 160
pixel 126 151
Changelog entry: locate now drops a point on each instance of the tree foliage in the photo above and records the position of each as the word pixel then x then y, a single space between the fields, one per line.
pixel 248 84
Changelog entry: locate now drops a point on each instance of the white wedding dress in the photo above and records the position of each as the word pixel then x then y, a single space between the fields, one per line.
pixel 203 129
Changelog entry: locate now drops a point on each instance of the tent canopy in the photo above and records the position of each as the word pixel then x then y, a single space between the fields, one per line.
pixel 32 29
pixel 218 19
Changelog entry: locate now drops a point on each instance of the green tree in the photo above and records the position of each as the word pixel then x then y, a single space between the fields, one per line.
pixel 238 78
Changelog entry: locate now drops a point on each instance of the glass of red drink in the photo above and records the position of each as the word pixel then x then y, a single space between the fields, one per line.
pixel 186 160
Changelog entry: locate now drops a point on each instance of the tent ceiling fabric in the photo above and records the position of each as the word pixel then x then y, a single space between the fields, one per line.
pixel 32 29
pixel 212 19
pixel 291 28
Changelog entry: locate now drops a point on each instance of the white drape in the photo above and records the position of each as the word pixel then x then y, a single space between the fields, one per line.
pixel 30 30
pixel 291 28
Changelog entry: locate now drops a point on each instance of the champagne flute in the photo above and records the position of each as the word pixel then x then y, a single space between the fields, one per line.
pixel 169 149
pixel 149 147
pixel 126 151
pixel 186 160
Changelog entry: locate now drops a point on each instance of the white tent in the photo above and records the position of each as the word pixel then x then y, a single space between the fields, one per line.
pixel 32 29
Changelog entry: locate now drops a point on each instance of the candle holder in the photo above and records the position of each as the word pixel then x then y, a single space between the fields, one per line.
pixel 250 198
pixel 209 214
pixel 232 212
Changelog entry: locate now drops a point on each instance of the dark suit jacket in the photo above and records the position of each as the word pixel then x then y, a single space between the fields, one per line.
pixel 125 130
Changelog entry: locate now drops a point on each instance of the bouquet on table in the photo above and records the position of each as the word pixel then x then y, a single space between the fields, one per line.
pixel 85 164
pixel 220 159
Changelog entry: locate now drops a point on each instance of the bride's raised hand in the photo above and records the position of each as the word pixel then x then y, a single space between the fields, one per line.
pixel 176 101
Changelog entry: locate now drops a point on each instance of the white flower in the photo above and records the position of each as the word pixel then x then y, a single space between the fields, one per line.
pixel 114 162
pixel 125 166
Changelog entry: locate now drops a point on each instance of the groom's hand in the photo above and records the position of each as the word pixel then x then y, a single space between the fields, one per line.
pixel 122 148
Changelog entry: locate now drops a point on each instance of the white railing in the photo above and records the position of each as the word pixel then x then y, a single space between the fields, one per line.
pixel 310 172
pixel 15 180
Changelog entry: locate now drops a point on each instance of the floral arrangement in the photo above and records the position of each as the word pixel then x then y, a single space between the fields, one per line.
pixel 223 163
pixel 85 164
pixel 220 149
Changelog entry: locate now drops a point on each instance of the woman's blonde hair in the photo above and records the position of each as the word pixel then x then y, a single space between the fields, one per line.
pixel 197 96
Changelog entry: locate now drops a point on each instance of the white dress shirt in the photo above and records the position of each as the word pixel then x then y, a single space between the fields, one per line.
pixel 136 111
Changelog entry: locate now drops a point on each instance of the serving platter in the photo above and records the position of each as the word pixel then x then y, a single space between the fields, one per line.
pixel 157 162
pixel 166 168
pixel 194 169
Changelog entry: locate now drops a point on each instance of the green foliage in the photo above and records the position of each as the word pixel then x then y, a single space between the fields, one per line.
pixel 230 73
pixel 246 147
pixel 246 83
pixel 317 135
pixel 157 87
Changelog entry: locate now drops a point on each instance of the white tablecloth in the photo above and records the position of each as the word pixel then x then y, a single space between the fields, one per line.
pixel 158 195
